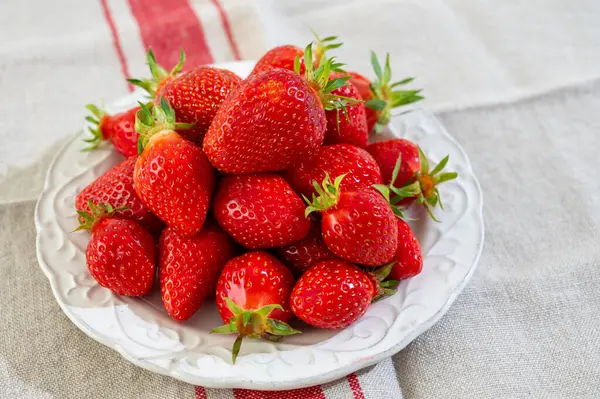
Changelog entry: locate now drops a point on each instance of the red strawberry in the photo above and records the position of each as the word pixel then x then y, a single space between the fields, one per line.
pixel 408 261
pixel 272 120
pixel 406 169
pixel 172 175
pixel 190 266
pixel 310 250
pixel 359 167
pixel 285 56
pixel 382 98
pixel 348 125
pixel 195 95
pixel 253 294
pixel 260 211
pixel 116 187
pixel 334 294
pixel 121 255
pixel 118 128
pixel 357 226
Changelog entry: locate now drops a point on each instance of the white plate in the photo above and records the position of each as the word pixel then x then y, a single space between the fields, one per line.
pixel 141 331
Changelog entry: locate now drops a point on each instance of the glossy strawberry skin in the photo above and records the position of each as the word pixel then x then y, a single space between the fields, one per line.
pixel 301 255
pixel 260 210
pixel 269 123
pixel 176 181
pixel 332 294
pixel 196 95
pixel 254 280
pixel 189 267
pixel 362 85
pixel 280 57
pixel 359 166
pixel 115 187
pixel 386 154
pixel 120 130
pixel 408 257
pixel 349 127
pixel 361 228
pixel 121 256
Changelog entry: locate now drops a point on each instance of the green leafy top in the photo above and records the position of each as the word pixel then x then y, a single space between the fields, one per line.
pixel 319 79
pixel 95 129
pixel 149 122
pixel 98 212
pixel 253 323
pixel 328 195
pixel 159 74
pixel 386 97
pixel 423 186
pixel 322 45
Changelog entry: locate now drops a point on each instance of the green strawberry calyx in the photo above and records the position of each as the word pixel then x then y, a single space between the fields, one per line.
pixel 149 122
pixel 319 81
pixel 95 119
pixel 322 45
pixel 423 187
pixel 384 288
pixel 328 195
pixel 159 74
pixel 385 95
pixel 97 213
pixel 253 323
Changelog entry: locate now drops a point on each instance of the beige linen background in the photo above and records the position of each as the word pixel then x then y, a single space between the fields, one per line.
pixel 515 82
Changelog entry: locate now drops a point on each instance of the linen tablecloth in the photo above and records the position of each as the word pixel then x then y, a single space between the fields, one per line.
pixel 517 83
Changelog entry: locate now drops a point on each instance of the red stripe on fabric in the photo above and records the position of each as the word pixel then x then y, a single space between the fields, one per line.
pixel 167 27
pixel 303 393
pixel 116 41
pixel 200 393
pixel 227 29
pixel 355 386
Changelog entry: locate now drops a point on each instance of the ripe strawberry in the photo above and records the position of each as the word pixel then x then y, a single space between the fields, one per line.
pixel 357 226
pixel 348 125
pixel 301 255
pixel 273 119
pixel 359 167
pixel 284 56
pixel 172 175
pixel 116 187
pixel 260 211
pixel 195 95
pixel 253 294
pixel 334 294
pixel 381 97
pixel 408 261
pixel 190 266
pixel 119 129
pixel 406 169
pixel 121 255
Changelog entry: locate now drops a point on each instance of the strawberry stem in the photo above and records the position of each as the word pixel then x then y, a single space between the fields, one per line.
pixel 96 130
pixel 97 213
pixel 159 74
pixel 328 194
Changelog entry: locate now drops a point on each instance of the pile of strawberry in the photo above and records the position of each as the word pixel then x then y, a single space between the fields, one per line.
pixel 262 192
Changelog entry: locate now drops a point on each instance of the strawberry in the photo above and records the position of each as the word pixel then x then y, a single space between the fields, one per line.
pixel 116 187
pixel 357 226
pixel 358 165
pixel 121 255
pixel 273 119
pixel 195 95
pixel 408 261
pixel 406 169
pixel 348 125
pixel 253 294
pixel 119 129
pixel 382 98
pixel 260 211
pixel 334 294
pixel 190 266
pixel 301 255
pixel 172 175
pixel 284 56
